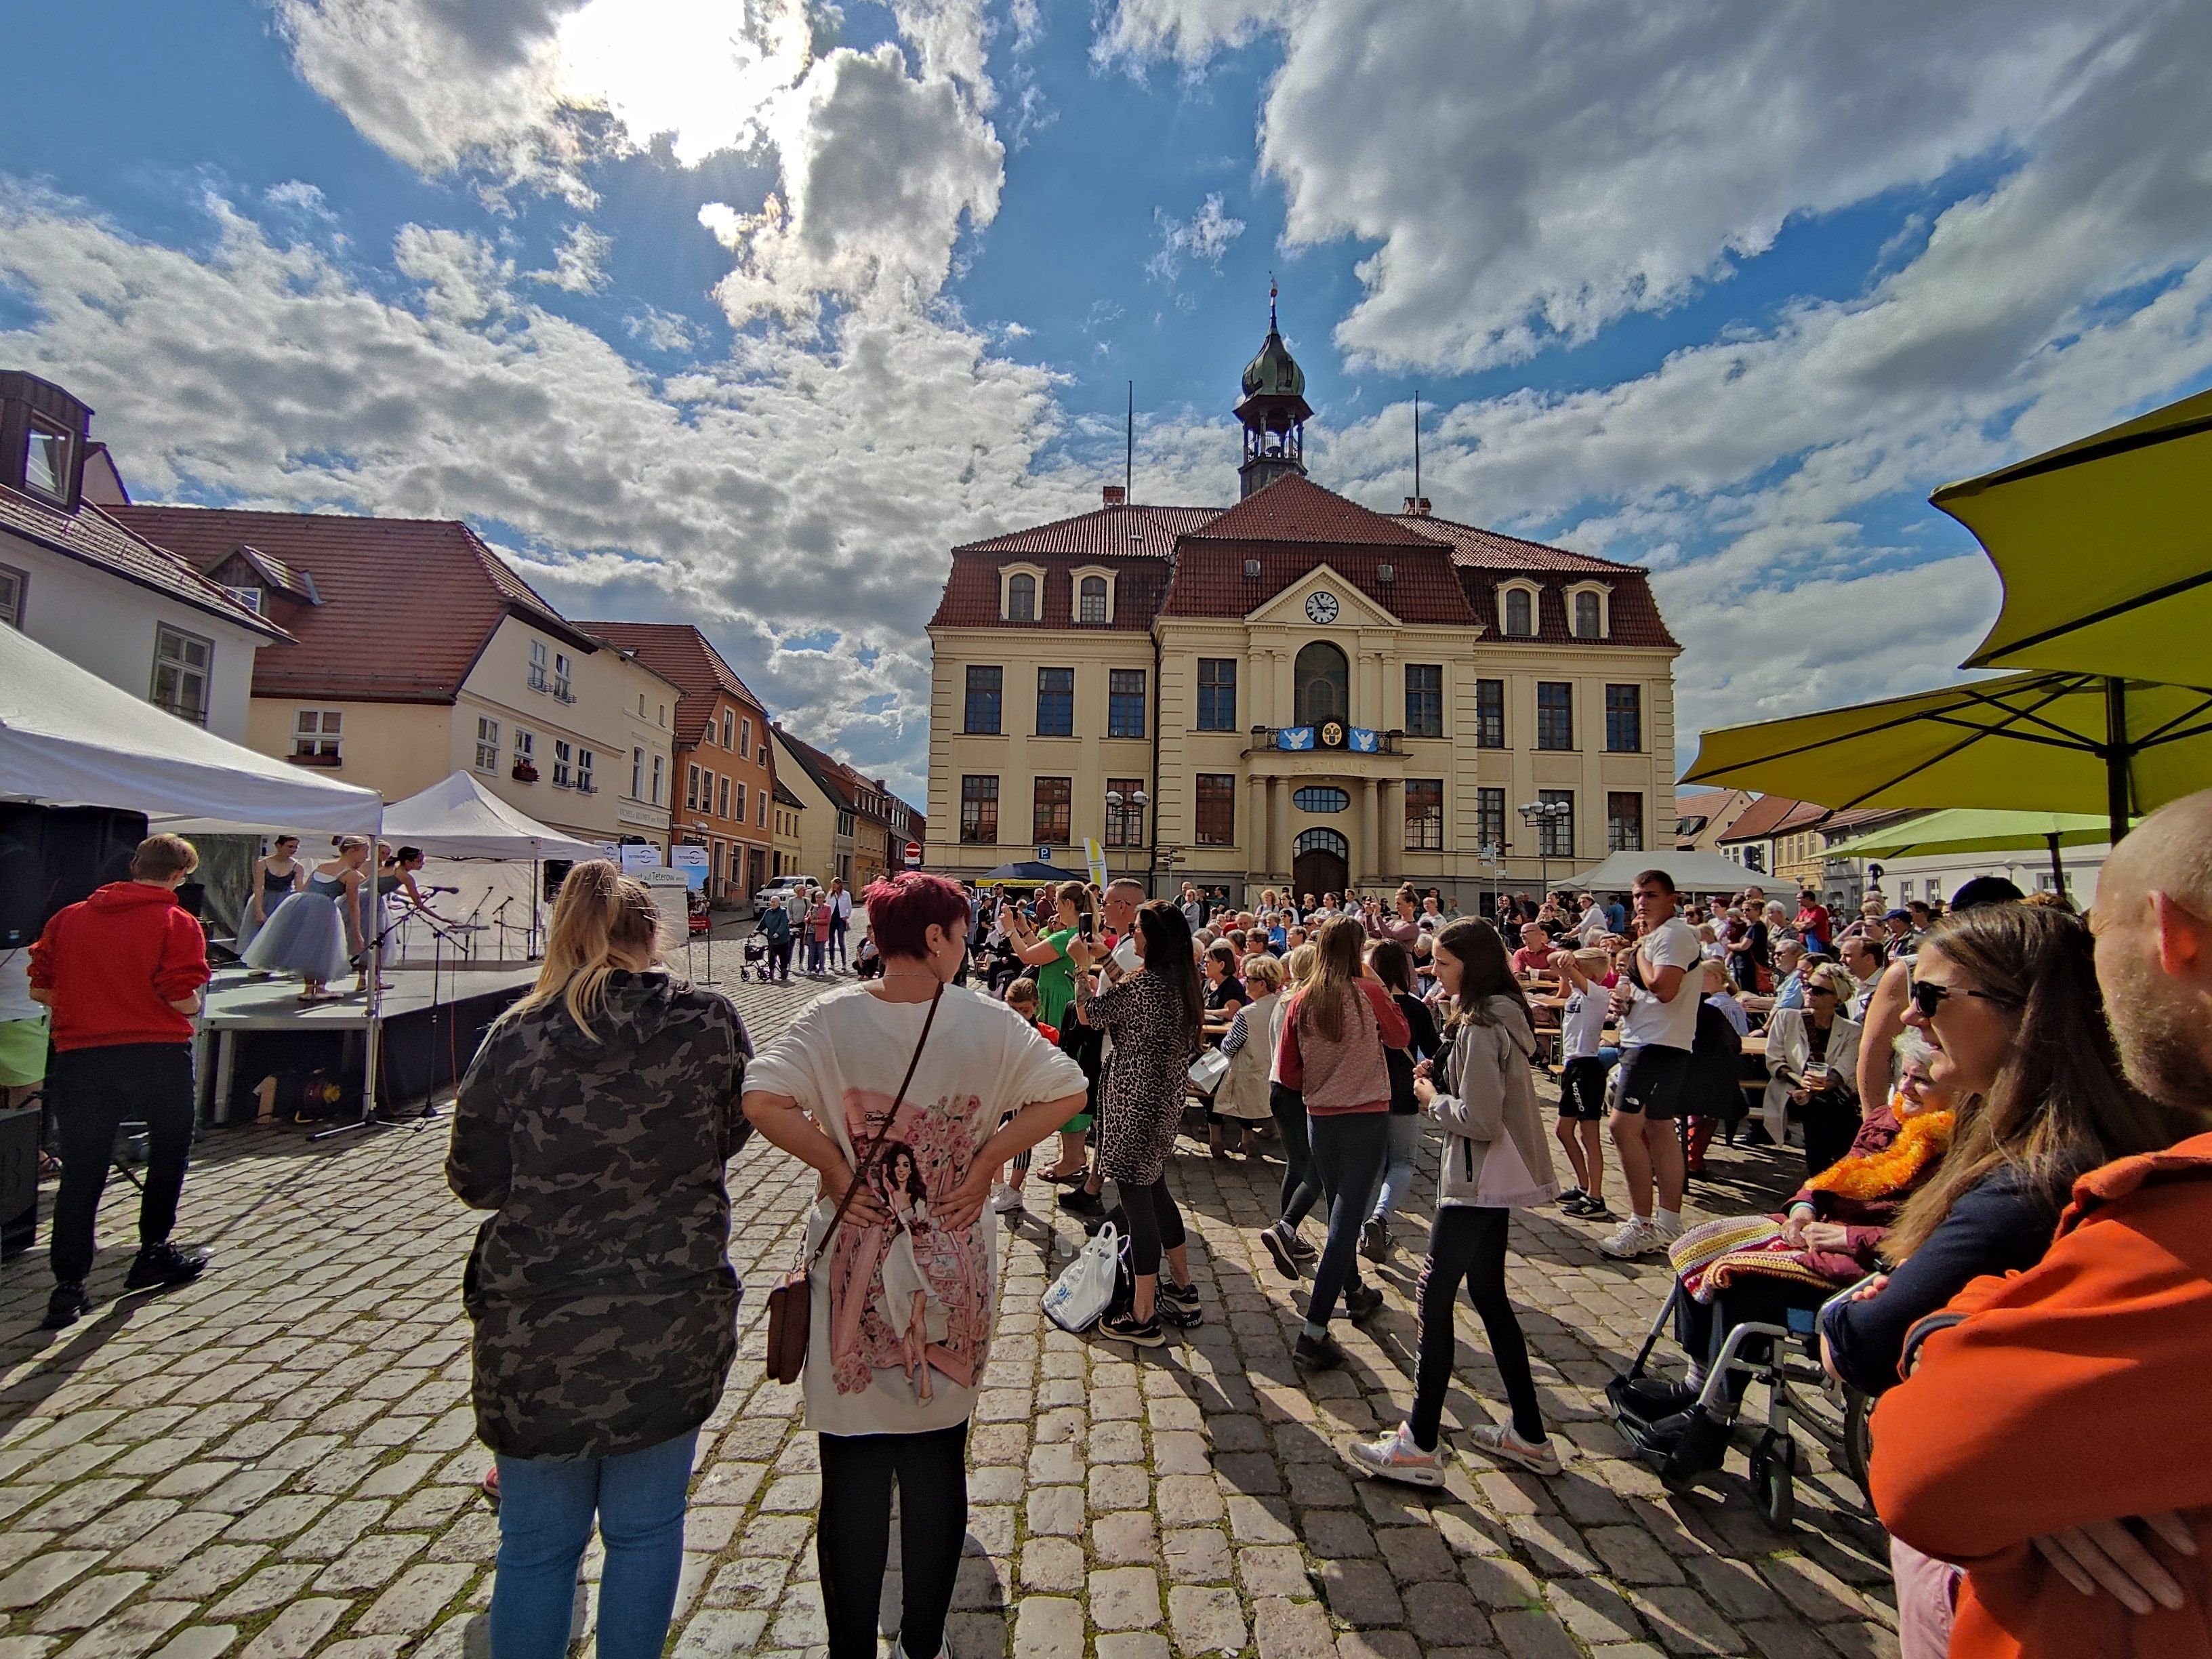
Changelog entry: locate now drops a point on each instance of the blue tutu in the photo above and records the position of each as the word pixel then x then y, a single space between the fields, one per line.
pixel 304 935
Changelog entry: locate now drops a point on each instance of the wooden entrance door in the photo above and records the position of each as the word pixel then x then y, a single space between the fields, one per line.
pixel 1322 863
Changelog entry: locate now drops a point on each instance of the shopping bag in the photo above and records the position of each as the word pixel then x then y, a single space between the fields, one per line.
pixel 1080 1297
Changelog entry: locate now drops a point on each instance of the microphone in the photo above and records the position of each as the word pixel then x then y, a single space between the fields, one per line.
pixel 437 889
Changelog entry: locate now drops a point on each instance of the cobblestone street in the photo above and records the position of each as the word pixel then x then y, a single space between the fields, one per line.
pixel 280 1461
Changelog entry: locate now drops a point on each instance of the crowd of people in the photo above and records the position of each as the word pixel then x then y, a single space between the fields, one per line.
pixel 2006 1248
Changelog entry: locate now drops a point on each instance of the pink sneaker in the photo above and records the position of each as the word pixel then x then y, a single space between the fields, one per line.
pixel 1395 1457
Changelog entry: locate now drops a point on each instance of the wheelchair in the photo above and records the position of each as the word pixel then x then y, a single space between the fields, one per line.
pixel 1790 1371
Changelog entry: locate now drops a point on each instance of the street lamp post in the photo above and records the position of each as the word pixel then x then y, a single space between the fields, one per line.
pixel 1539 815
pixel 1116 801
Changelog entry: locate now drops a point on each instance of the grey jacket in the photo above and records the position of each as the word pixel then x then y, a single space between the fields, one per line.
pixel 600 1287
pixel 1496 1155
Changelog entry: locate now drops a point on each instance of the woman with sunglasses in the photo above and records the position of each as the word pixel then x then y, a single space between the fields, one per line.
pixel 1812 1063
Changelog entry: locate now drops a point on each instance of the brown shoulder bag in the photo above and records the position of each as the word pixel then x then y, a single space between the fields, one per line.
pixel 791 1303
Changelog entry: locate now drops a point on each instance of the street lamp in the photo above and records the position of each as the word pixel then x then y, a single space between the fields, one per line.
pixel 1116 801
pixel 1539 815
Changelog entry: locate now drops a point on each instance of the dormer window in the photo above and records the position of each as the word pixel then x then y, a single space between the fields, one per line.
pixel 46 464
pixel 1021 597
pixel 1589 607
pixel 1092 590
pixel 1516 611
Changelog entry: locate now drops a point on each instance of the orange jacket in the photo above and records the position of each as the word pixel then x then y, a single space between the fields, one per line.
pixel 2075 1392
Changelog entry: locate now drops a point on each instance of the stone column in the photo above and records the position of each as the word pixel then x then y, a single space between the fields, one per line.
pixel 1390 850
pixel 1370 855
pixel 1278 826
pixel 1258 838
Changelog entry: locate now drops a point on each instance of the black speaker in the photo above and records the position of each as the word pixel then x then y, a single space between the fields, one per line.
pixel 52 856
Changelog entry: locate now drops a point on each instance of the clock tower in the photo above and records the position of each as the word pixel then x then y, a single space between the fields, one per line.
pixel 1274 411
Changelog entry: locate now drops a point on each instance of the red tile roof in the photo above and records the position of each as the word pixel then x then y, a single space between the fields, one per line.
pixel 1125 531
pixel 971 592
pixel 408 604
pixel 680 653
pixel 1492 550
pixel 94 536
pixel 1633 613
pixel 1771 815
pixel 1209 579
pixel 1297 509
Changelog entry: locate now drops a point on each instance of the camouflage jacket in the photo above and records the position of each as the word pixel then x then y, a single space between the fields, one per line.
pixel 600 1288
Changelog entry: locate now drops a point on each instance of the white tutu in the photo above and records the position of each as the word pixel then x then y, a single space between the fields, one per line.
pixel 304 935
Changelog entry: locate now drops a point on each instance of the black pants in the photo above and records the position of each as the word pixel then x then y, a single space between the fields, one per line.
pixel 1469 1244
pixel 94 1092
pixel 854 1537
pixel 1349 1151
pixel 1155 1224
pixel 1301 1191
pixel 1703 1327
pixel 779 956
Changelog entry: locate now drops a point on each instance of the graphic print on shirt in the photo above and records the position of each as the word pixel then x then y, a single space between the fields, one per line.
pixel 911 1294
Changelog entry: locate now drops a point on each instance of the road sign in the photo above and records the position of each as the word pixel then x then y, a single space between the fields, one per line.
pixel 1044 855
pixel 913 854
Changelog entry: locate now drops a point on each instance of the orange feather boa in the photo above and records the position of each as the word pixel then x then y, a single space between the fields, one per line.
pixel 1920 1142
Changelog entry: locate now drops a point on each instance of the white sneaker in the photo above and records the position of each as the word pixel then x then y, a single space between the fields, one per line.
pixel 1501 1443
pixel 1395 1457
pixel 1633 1237
pixel 1004 1198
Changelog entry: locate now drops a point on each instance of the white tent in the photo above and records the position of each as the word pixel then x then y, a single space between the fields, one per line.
pixel 1693 872
pixel 68 737
pixel 460 818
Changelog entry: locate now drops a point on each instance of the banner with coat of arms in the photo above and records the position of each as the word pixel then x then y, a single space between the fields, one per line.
pixel 1294 737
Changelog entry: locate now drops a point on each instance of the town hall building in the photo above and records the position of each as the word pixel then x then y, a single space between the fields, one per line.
pixel 1296 691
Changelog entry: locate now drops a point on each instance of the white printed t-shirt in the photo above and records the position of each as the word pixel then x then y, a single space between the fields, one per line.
pixel 1582 1026
pixel 1650 1021
pixel 886 1295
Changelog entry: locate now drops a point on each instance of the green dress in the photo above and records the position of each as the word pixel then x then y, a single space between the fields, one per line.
pixel 1055 980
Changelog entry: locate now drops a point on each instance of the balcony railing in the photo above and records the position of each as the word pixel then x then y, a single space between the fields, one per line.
pixel 1307 739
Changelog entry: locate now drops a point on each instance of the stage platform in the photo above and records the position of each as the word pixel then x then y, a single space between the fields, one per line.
pixel 431 1024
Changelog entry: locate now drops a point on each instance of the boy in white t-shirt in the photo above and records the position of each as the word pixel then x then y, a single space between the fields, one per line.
pixel 1588 976
pixel 1659 1000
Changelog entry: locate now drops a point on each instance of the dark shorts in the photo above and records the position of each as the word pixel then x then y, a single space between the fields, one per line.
pixel 1652 1082
pixel 1581 1088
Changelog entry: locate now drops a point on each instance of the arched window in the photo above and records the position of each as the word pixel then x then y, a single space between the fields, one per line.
pixel 1322 841
pixel 1091 600
pixel 1324 684
pixel 1520 612
pixel 1021 599
pixel 1587 625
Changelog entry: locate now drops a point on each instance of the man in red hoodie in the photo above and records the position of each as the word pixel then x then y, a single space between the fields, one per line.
pixel 2051 1436
pixel 122 971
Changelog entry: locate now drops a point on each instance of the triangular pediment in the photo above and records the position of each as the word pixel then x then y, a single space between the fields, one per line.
pixel 1308 601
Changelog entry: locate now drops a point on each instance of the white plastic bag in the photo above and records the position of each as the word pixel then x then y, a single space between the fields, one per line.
pixel 1084 1292
pixel 1208 1070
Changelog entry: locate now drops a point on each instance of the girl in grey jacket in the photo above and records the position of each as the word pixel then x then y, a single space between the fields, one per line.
pixel 1495 1159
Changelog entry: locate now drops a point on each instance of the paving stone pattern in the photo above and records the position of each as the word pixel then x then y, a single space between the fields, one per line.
pixel 279 1461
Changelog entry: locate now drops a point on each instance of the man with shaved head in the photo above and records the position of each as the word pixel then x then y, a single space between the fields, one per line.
pixel 2052 1435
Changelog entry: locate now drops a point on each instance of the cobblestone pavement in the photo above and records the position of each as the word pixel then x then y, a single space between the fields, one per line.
pixel 279 1461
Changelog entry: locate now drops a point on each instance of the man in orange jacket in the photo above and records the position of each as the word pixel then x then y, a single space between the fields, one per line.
pixel 2052 1435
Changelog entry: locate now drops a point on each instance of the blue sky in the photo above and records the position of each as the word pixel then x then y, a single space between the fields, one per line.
pixel 745 311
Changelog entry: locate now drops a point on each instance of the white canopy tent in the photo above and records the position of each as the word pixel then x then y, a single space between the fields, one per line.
pixel 458 819
pixel 70 738
pixel 1693 873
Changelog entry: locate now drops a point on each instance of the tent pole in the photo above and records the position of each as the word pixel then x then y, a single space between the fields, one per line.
pixel 2057 866
pixel 2117 758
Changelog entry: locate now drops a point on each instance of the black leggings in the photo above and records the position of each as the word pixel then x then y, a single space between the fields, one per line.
pixel 1301 1188
pixel 1469 1243
pixel 854 1537
pixel 94 1092
pixel 1155 1224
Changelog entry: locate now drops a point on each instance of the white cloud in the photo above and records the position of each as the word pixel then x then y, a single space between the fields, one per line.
pixel 785 491
pixel 664 331
pixel 579 263
pixel 1205 236
pixel 1190 30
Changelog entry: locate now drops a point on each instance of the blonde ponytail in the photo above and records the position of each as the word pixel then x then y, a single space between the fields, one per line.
pixel 600 911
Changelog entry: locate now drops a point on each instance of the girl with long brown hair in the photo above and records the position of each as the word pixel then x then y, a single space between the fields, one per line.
pixel 1340 1022
pixel 595 1124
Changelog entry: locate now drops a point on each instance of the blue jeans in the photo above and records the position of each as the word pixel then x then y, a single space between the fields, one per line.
pixel 815 949
pixel 546 1507
pixel 1398 1166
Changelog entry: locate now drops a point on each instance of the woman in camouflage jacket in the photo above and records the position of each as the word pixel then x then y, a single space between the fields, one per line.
pixel 594 1123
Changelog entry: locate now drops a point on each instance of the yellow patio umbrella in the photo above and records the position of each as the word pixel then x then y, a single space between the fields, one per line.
pixel 2106 548
pixel 1968 830
pixel 2044 742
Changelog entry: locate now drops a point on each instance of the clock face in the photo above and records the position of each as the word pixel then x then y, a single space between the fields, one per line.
pixel 1321 607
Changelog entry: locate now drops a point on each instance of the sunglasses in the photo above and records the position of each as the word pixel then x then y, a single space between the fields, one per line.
pixel 1928 997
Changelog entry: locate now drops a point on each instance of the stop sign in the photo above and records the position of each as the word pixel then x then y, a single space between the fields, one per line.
pixel 914 852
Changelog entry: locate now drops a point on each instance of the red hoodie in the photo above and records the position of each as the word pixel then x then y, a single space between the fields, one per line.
pixel 114 965
pixel 2071 1392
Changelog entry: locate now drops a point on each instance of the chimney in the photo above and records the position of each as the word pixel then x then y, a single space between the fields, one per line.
pixel 1116 495
pixel 1417 507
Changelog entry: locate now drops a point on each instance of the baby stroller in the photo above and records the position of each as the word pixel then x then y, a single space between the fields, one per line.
pixel 1791 1369
pixel 754 966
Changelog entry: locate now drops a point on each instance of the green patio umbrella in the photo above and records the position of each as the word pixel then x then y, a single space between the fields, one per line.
pixel 2045 743
pixel 1965 830
pixel 2106 548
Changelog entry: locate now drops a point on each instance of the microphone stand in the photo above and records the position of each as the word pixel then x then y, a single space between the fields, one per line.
pixel 373 1034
